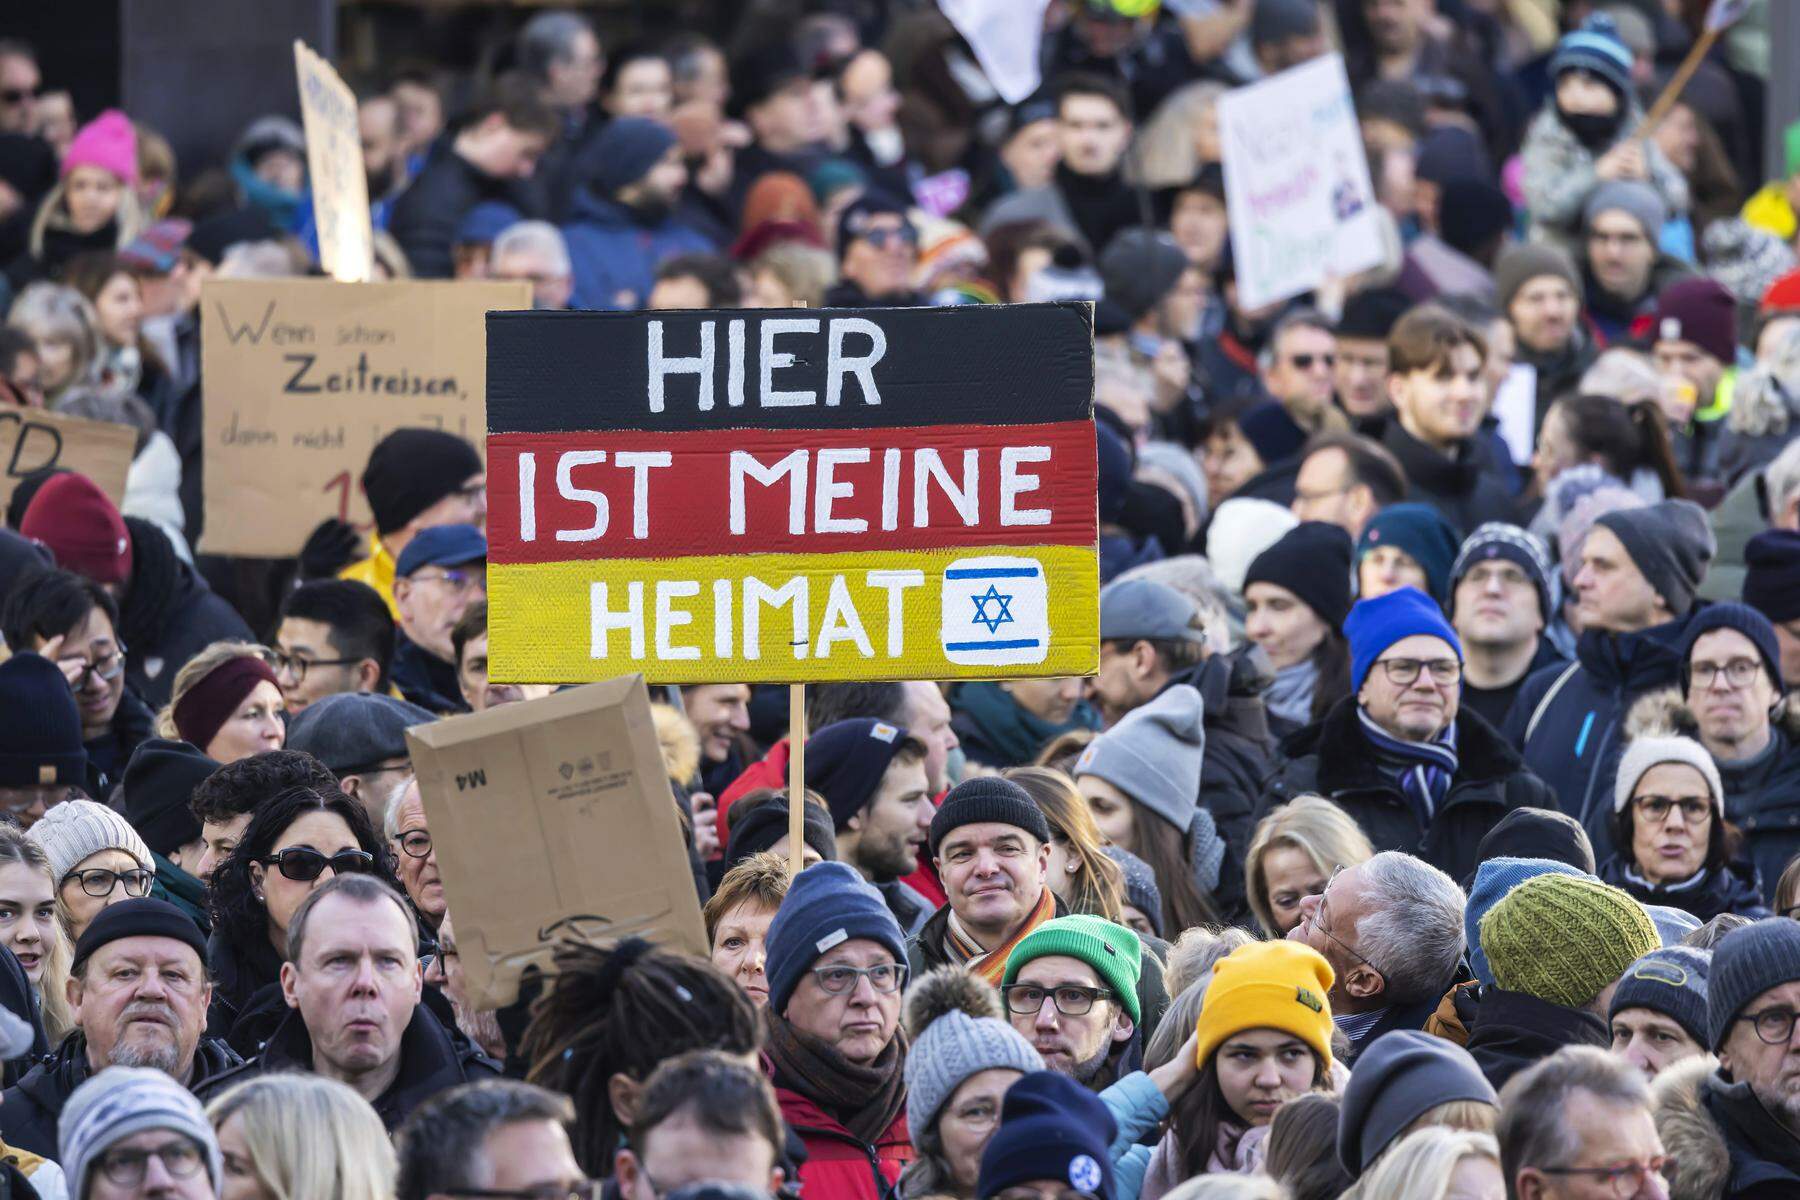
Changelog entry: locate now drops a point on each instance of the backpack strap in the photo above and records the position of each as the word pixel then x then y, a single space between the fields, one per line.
pixel 1537 714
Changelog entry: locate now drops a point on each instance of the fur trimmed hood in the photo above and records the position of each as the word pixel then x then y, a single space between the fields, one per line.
pixel 1688 1131
pixel 1665 712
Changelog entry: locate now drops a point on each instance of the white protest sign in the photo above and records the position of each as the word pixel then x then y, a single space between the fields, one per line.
pixel 1297 186
pixel 334 165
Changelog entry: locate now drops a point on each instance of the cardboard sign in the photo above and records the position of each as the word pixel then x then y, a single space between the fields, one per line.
pixel 1297 191
pixel 34 438
pixel 303 376
pixel 552 821
pixel 334 165
pixel 804 495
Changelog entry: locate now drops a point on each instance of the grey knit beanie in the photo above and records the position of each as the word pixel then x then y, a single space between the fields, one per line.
pixel 1639 201
pixel 1671 981
pixel 1672 544
pixel 957 1027
pixel 1642 753
pixel 1153 755
pixel 71 831
pixel 1747 962
pixel 120 1102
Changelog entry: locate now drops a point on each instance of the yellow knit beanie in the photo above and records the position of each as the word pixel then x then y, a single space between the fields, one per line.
pixel 1268 985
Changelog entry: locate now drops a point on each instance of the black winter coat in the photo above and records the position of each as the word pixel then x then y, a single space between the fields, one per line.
pixel 427 214
pixel 132 725
pixel 1467 490
pixel 1513 1031
pixel 1333 759
pixel 1735 888
pixel 430 1061
pixel 168 615
pixel 1762 798
pixel 31 1110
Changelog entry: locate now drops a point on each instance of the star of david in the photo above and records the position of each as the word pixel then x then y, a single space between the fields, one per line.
pixel 993 621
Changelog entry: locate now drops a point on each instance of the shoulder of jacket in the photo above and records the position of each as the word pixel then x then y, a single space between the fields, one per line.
pixel 1688 1130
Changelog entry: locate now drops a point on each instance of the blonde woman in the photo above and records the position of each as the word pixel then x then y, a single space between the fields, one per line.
pixel 1438 1164
pixel 66 331
pixel 30 929
pixel 1293 854
pixel 1081 874
pixel 1179 138
pixel 227 701
pixel 301 1137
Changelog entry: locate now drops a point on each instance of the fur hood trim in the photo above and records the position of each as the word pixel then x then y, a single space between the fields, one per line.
pixel 1688 1131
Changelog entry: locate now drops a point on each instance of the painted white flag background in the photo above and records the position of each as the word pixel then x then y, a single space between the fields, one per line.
pixel 1004 35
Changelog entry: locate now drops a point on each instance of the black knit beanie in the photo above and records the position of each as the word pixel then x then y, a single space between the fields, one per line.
pixel 984 800
pixel 412 469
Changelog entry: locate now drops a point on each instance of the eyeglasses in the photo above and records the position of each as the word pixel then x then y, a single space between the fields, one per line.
pixel 98 881
pixel 879 237
pixel 883 977
pixel 1305 361
pixel 38 797
pixel 1404 671
pixel 416 843
pixel 456 581
pixel 1775 1026
pixel 587 1189
pixel 1625 1180
pixel 106 668
pixel 20 95
pixel 1503 573
pixel 1656 809
pixel 1314 923
pixel 1070 999
pixel 303 865
pixel 295 667
pixel 1738 672
pixel 125 1168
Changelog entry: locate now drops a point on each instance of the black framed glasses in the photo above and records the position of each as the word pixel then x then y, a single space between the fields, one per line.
pixel 303 865
pixel 78 670
pixel 98 881
pixel 1774 1026
pixel 1739 672
pixel 883 977
pixel 416 843
pixel 293 667
pixel 1405 671
pixel 1305 361
pixel 125 1168
pixel 1071 1000
pixel 1656 809
pixel 587 1189
pixel 1625 1180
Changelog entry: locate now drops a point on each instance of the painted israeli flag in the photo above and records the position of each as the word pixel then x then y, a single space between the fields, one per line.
pixel 996 611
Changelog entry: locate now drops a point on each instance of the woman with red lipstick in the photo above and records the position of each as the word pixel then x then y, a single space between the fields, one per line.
pixel 29 928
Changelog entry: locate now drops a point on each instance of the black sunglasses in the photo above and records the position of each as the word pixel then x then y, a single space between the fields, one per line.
pixel 303 865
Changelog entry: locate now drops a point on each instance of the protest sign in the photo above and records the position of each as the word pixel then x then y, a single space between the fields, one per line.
pixel 32 439
pixel 1297 190
pixel 551 822
pixel 804 495
pixel 334 166
pixel 303 376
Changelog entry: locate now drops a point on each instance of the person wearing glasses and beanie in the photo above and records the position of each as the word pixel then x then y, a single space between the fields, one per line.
pixel 836 963
pixel 1417 772
pixel 1675 846
pixel 96 858
pixel 132 1134
pixel 1734 1127
pixel 442 571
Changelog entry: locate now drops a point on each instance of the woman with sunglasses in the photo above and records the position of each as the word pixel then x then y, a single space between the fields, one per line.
pixel 96 858
pixel 226 701
pixel 298 839
pixel 1674 845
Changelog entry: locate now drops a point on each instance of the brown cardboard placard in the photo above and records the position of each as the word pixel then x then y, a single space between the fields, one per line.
pixel 303 376
pixel 34 438
pixel 552 821
pixel 334 164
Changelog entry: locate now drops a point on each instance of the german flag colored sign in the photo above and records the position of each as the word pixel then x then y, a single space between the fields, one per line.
pixel 792 495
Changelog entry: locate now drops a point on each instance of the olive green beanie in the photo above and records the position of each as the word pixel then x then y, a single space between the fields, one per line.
pixel 1564 938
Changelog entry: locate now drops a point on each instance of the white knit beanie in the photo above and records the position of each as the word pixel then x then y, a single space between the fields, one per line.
pixel 75 829
pixel 1242 529
pixel 1645 752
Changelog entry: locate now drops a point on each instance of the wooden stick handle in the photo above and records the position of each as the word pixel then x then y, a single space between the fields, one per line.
pixel 1677 83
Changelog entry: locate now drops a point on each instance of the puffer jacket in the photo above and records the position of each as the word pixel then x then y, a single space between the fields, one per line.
pixel 1726 1144
pixel 838 1166
pixel 1559 174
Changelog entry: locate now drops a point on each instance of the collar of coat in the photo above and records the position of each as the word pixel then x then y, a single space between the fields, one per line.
pixel 1345 763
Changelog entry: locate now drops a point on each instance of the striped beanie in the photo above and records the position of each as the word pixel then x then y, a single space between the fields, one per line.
pixel 1598 49
pixel 122 1101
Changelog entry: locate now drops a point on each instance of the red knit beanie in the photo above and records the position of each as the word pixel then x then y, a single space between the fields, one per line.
pixel 1784 294
pixel 81 526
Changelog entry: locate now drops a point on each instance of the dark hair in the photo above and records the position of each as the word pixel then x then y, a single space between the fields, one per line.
pixel 623 1010
pixel 829 703
pixel 714 272
pixel 1165 849
pixel 1371 464
pixel 364 889
pixel 49 603
pixel 617 60
pixel 547 39
pixel 1084 83
pixel 360 623
pixel 236 912
pixel 440 1145
pixel 471 625
pixel 1007 244
pixel 17 48
pixel 1723 839
pixel 1302 1148
pixel 721 1095
pixel 1297 318
pixel 1425 337
pixel 242 787
pixel 1174 655
pixel 1196 1115
pixel 13 343
pixel 1332 657
pixel 1623 437
pixel 515 99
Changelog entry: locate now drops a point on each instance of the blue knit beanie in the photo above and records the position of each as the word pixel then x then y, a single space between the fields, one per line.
pixel 846 760
pixel 1374 625
pixel 1051 1128
pixel 1493 879
pixel 1597 49
pixel 1747 962
pixel 827 905
pixel 40 727
pixel 1671 981
pixel 1422 532
pixel 624 153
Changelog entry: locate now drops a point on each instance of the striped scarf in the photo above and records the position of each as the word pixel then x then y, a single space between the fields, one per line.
pixel 1422 769
pixel 968 953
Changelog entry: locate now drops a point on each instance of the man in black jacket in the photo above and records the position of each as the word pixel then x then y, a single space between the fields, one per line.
pixel 363 1025
pixel 139 993
pixel 1416 772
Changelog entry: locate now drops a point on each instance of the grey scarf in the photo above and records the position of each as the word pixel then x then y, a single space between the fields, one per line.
pixel 1290 696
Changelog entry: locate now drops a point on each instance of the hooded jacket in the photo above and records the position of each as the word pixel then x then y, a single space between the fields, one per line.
pixel 1514 1031
pixel 1333 759
pixel 168 614
pixel 31 1110
pixel 1568 722
pixel 1727 1145
pixel 614 256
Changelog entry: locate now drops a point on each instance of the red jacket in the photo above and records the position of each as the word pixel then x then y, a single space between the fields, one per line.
pixel 838 1167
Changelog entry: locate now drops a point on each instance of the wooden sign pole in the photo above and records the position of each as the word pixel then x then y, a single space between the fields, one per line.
pixel 796 777
pixel 1677 83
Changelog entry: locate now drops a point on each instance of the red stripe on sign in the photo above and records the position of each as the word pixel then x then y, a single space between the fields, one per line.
pixel 554 497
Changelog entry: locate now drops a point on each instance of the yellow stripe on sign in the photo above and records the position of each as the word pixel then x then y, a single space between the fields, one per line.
pixel 987 613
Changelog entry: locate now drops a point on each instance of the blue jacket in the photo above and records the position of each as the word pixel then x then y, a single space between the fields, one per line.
pixel 614 258
pixel 1137 1108
pixel 1568 721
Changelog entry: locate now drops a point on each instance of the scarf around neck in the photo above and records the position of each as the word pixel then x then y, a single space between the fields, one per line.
pixel 864 1098
pixel 1422 769
pixel 1290 696
pixel 968 953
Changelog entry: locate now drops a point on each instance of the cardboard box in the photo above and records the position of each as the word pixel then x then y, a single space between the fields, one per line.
pixel 553 821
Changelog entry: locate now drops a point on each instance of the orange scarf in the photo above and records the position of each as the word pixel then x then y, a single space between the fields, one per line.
pixel 991 964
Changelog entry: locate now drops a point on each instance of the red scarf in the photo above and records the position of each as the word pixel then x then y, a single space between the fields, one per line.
pixel 991 964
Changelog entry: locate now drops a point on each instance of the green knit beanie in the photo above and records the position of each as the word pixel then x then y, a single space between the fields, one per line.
pixel 1564 938
pixel 1112 950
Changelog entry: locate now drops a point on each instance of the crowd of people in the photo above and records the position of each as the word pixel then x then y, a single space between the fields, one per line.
pixel 1430 829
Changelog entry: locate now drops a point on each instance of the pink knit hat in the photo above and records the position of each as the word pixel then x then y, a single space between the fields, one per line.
pixel 108 142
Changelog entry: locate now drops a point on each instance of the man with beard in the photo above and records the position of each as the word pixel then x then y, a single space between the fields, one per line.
pixel 622 220
pixel 138 991
pixel 1071 989
pixel 1622 268
pixel 1540 295
pixel 872 775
